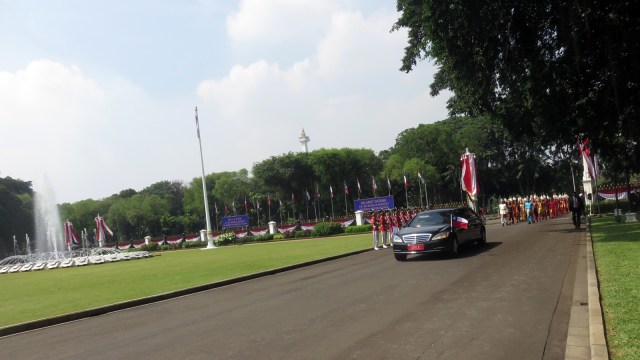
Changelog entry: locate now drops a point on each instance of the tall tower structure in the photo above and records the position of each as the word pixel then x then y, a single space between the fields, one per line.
pixel 304 139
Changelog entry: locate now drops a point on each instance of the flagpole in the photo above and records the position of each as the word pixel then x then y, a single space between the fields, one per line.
pixel 332 216
pixel 204 190
pixel 345 203
pixel 406 196
pixel 426 195
pixel 420 188
pixel 216 216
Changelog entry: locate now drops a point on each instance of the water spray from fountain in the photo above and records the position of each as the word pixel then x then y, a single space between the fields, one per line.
pixel 47 218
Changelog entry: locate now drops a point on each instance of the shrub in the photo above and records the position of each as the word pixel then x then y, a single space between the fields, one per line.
pixel 358 229
pixel 226 238
pixel 194 244
pixel 265 237
pixel 278 236
pixel 327 228
pixel 607 207
pixel 164 247
pixel 288 234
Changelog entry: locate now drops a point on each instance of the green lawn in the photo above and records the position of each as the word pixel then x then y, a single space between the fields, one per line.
pixel 617 252
pixel 36 295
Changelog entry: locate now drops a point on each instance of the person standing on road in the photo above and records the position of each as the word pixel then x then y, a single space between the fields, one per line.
pixel 374 229
pixel 575 206
pixel 527 207
pixel 503 212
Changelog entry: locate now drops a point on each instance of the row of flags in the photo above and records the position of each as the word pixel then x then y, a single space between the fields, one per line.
pixel 318 194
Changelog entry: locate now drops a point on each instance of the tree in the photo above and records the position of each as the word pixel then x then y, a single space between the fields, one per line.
pixel 16 213
pixel 551 69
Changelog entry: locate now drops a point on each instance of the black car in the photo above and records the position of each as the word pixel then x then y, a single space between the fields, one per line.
pixel 441 230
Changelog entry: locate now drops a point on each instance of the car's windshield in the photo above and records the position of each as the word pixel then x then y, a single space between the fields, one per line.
pixel 430 218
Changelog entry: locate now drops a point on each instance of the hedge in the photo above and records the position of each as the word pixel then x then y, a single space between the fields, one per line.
pixel 358 229
pixel 327 228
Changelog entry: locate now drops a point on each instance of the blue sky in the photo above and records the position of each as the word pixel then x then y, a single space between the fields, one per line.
pixel 99 96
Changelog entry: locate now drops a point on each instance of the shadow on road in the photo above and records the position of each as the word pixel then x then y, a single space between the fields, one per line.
pixel 466 251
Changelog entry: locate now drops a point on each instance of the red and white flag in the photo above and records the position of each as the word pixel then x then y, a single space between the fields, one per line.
pixel 374 186
pixel 70 235
pixel 406 182
pixel 269 199
pixel 586 157
pixel 469 177
pixel 101 228
pixel 331 191
pixel 346 188
pixel 459 222
pixel 359 189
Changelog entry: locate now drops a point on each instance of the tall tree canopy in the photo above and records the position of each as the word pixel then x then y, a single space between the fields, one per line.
pixel 554 69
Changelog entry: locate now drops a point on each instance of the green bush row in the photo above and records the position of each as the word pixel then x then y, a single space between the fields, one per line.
pixel 327 228
pixel 358 229
pixel 607 207
pixel 319 230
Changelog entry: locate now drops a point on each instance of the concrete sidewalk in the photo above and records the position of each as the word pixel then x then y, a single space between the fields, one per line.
pixel 585 336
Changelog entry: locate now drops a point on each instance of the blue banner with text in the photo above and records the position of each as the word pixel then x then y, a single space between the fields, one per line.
pixel 373 204
pixel 235 221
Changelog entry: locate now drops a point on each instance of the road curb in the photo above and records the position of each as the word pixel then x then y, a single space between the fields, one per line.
pixel 56 320
pixel 597 339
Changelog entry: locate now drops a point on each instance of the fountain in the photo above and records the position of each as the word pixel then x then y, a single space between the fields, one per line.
pixel 47 218
pixel 50 247
pixel 28 241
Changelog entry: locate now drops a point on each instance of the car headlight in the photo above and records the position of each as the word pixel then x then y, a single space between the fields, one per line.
pixel 440 236
pixel 397 239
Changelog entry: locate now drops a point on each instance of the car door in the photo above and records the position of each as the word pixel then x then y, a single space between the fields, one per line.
pixel 475 225
pixel 462 234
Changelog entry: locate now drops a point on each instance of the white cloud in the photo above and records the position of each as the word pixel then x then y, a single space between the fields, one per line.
pixel 347 93
pixel 278 20
pixel 91 138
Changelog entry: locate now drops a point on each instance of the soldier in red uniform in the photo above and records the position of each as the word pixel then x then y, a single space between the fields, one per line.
pixel 383 228
pixel 374 227
pixel 397 223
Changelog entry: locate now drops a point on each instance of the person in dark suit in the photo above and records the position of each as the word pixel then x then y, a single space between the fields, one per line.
pixel 576 206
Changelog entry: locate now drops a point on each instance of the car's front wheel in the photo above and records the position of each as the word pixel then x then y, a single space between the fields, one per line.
pixel 400 257
pixel 454 247
pixel 483 237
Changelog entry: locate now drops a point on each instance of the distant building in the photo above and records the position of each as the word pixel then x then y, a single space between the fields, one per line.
pixel 304 139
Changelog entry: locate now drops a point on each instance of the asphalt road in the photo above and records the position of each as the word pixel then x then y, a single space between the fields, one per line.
pixel 507 300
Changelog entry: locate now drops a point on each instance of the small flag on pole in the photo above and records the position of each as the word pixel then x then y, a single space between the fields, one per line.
pixel 197 123
pixel 374 186
pixel 308 196
pixel 359 189
pixel 406 182
pixel 346 188
pixel 331 191
pixel 458 222
pixel 420 177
